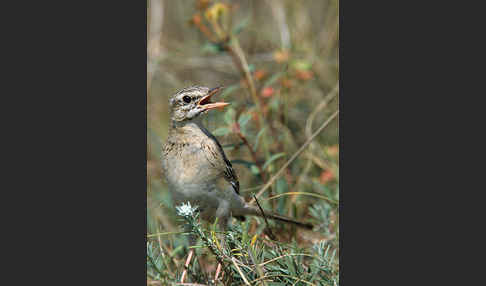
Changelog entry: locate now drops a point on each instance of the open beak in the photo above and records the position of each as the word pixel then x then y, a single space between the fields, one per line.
pixel 206 103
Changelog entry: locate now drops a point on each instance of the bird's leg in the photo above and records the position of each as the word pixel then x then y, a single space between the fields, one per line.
pixel 186 265
pixel 192 242
pixel 218 269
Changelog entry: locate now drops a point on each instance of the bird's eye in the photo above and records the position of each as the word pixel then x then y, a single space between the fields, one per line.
pixel 186 99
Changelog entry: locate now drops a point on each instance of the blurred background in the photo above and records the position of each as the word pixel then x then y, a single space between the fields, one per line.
pixel 278 61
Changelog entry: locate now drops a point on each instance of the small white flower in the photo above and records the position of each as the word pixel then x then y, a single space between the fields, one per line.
pixel 185 209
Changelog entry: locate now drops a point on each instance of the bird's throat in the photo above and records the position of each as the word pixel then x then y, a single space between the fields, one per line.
pixel 187 130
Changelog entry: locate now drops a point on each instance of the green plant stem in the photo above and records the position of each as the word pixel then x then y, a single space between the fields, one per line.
pixel 241 63
pixel 239 58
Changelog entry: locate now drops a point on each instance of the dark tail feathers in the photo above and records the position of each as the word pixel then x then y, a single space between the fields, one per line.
pixel 271 215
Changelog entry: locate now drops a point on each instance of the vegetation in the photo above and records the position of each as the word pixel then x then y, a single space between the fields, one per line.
pixel 278 61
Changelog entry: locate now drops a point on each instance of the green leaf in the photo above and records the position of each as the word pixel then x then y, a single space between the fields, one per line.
pixel 244 233
pixel 257 140
pixel 232 146
pixel 281 186
pixel 228 90
pixel 274 103
pixel 273 158
pixel 176 250
pixel 332 257
pixel 210 48
pixel 221 131
pixel 241 25
pixel 273 79
pixel 229 116
pixel 243 120
pixel 254 170
pixel 290 265
pixel 301 65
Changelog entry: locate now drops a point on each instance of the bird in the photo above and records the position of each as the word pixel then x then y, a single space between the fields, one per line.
pixel 195 167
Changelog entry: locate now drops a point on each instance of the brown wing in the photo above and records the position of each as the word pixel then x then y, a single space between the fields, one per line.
pixel 218 159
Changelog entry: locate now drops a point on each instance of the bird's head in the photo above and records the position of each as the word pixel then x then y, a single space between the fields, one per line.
pixel 193 101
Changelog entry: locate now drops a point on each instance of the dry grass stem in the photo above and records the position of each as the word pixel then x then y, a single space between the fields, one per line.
pixel 296 154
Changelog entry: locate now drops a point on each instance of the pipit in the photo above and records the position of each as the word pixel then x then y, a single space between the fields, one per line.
pixel 196 168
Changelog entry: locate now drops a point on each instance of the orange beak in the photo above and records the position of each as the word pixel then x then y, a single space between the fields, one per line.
pixel 206 103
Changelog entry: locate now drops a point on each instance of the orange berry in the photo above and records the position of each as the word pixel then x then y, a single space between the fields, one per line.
pixel 333 150
pixel 281 56
pixel 259 74
pixel 304 74
pixel 267 91
pixel 326 176
pixel 196 19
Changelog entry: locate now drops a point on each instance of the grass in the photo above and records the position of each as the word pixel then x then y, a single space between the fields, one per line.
pixel 279 63
pixel 249 260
